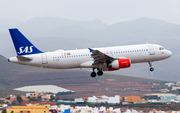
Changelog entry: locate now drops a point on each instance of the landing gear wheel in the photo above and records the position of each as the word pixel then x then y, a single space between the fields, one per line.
pixel 100 73
pixel 93 74
pixel 151 69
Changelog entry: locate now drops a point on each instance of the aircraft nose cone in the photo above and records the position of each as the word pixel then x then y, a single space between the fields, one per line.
pixel 169 53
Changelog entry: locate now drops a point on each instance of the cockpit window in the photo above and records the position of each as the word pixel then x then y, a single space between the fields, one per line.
pixel 161 48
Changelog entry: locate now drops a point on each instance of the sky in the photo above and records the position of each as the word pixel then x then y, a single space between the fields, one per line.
pixel 109 11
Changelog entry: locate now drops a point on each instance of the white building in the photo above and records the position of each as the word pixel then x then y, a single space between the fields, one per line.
pixel 170 84
pixel 28 95
pixel 117 110
pixel 104 99
pixel 79 100
pixel 92 99
pixel 114 100
pixel 160 97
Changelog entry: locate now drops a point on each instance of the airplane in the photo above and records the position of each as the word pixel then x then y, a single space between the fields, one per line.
pixel 102 59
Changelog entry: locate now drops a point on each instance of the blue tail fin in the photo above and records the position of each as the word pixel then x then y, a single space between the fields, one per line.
pixel 22 45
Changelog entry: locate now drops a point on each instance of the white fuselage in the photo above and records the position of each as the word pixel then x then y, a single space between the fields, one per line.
pixel 81 58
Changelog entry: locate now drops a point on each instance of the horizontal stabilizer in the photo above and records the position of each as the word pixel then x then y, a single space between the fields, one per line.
pixel 22 58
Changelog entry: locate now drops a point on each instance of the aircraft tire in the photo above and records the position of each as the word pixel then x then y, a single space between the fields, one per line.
pixel 151 69
pixel 93 74
pixel 100 73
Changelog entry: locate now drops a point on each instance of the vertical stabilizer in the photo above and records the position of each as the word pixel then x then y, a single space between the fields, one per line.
pixel 22 45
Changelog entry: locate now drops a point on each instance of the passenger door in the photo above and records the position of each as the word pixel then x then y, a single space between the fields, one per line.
pixel 44 59
pixel 151 50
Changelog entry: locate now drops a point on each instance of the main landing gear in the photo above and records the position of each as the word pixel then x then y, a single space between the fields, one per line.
pixel 99 73
pixel 151 68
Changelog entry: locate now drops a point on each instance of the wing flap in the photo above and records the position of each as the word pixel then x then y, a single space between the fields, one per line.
pixel 98 56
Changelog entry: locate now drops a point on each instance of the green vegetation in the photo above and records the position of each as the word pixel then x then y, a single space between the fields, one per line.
pixel 19 99
pixel 33 99
pixel 65 93
pixel 178 91
pixel 4 111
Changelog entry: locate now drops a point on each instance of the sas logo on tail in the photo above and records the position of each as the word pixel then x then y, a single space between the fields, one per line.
pixel 25 49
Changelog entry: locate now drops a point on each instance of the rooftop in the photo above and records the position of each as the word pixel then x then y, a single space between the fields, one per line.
pixel 43 88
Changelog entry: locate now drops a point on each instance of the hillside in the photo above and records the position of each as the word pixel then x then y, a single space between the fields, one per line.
pixel 14 76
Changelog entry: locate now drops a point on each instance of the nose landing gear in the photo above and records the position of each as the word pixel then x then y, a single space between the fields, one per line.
pixel 151 68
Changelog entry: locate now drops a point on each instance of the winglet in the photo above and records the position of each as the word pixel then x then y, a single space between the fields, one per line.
pixel 90 49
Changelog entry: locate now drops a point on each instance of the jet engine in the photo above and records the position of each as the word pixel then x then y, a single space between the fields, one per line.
pixel 120 63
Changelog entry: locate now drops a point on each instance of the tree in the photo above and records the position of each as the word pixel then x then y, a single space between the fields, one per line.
pixel 39 97
pixel 19 99
pixel 4 111
pixel 8 98
pixel 57 98
pixel 12 111
pixel 29 97
pixel 14 103
pixel 178 91
pixel 52 97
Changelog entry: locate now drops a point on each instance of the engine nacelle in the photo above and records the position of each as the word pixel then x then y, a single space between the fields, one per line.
pixel 111 69
pixel 120 63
